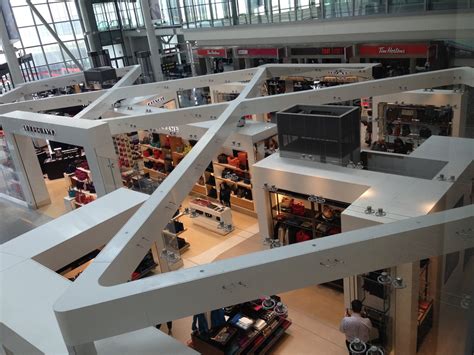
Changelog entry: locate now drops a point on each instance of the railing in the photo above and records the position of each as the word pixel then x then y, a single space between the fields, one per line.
pixel 214 13
pixel 219 13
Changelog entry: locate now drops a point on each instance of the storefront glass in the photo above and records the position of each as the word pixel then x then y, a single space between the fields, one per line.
pixel 9 180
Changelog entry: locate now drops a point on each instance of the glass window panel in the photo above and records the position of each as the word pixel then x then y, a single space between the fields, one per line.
pixel 59 12
pixel 71 67
pixel 42 71
pixel 23 16
pixel 78 29
pixel 337 8
pixel 45 36
pixel 64 31
pixel 58 69
pixel 82 49
pixel 44 11
pixel 368 7
pixel 29 36
pixel 73 10
pixel 18 3
pixel 405 5
pixel 53 53
pixel 73 48
pixel 37 54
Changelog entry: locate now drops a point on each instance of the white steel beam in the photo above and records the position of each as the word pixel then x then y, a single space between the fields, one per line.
pixel 173 86
pixel 106 101
pixel 52 103
pixel 157 299
pixel 115 263
pixel 165 118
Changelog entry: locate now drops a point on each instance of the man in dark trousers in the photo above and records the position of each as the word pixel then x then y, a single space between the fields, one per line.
pixel 168 324
pixel 354 326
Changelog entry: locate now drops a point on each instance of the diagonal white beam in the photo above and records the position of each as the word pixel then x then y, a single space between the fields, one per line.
pixel 164 202
pixel 52 103
pixel 173 86
pixel 123 308
pixel 165 118
pixel 106 101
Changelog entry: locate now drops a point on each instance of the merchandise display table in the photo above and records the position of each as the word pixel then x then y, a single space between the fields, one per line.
pixel 249 329
pixel 212 216
pixel 55 168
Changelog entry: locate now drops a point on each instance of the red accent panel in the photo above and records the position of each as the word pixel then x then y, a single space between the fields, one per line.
pixel 394 50
pixel 212 52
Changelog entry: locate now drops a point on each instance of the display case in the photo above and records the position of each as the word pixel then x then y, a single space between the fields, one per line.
pixel 262 329
pixel 408 126
pixel 211 215
pixel 326 133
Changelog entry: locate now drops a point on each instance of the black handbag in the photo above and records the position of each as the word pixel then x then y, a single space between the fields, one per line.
pixel 425 132
pixel 222 158
pixel 212 193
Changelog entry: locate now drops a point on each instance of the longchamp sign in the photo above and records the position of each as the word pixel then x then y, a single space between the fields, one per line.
pixel 41 130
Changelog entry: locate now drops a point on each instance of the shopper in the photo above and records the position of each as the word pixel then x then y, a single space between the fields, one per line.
pixel 354 325
pixel 168 324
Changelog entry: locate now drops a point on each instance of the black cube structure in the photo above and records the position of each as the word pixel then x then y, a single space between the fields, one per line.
pixel 100 78
pixel 323 133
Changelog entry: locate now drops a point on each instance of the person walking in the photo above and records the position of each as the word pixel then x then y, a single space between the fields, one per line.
pixel 355 326
pixel 168 324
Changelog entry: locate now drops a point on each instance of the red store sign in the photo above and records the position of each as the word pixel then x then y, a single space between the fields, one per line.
pixel 212 52
pixel 257 52
pixel 394 50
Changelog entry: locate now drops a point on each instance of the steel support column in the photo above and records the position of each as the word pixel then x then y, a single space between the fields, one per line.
pixel 152 41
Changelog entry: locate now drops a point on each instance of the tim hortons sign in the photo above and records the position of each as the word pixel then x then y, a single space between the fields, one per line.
pixel 412 50
pixel 40 130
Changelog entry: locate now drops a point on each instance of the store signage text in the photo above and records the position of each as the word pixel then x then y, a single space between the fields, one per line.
pixel 156 101
pixel 257 52
pixel 212 52
pixel 310 51
pixel 413 50
pixel 41 130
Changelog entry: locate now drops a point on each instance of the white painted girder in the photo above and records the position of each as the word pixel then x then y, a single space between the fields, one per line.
pixel 101 280
pixel 157 299
pixel 106 101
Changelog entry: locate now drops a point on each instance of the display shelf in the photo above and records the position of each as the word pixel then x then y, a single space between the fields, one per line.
pixel 154 160
pixel 200 189
pixel 419 123
pixel 85 192
pixel 146 146
pixel 241 202
pixel 247 186
pixel 155 173
pixel 276 336
pixel 228 166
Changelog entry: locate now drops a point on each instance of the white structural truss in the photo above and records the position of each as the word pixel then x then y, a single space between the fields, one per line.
pixel 101 303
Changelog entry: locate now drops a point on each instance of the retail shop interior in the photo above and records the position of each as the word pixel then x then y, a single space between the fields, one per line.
pixel 298 175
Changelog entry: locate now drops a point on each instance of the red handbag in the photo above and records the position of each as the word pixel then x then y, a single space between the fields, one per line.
pixel 297 208
pixel 302 236
pixel 242 158
pixel 156 154
pixel 233 161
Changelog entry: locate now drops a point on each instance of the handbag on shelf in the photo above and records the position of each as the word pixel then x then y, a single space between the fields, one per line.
pixel 302 236
pixel 233 161
pixel 222 158
pixel 298 208
pixel 242 158
pixel 285 204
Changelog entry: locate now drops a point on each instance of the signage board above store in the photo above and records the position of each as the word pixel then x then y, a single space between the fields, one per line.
pixel 393 50
pixel 212 52
pixel 316 51
pixel 257 52
pixel 41 130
